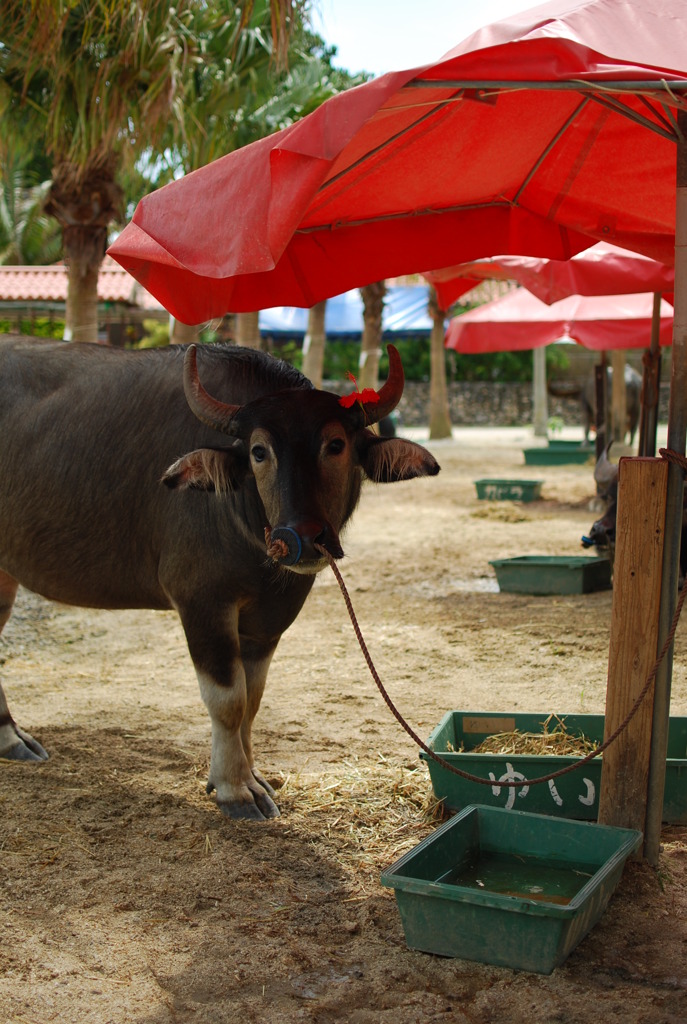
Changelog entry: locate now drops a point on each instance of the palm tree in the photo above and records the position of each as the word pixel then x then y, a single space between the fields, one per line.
pixel 213 111
pixel 27 236
pixel 371 343
pixel 100 82
pixel 314 344
pixel 439 413
pixel 247 330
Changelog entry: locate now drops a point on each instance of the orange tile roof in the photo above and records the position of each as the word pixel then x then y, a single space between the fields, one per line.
pixel 49 284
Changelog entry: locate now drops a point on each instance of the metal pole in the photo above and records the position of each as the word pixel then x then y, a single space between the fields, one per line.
pixel 651 383
pixel 677 432
pixel 600 395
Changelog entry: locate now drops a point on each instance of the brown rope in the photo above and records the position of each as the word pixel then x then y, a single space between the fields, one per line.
pixel 672 456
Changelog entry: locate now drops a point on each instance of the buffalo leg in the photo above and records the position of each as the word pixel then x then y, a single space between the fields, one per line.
pixel 15 744
pixel 256 665
pixel 215 650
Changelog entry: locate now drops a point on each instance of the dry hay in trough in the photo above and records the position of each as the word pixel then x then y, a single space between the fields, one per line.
pixel 555 741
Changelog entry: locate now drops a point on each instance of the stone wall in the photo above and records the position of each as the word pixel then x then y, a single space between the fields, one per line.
pixel 484 403
pixel 498 405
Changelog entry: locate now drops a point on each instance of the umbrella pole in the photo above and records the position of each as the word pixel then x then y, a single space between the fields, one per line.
pixel 600 380
pixel 677 432
pixel 651 380
pixel 618 398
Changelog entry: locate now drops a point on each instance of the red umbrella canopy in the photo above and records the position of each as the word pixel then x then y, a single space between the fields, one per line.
pixel 534 136
pixel 521 321
pixel 603 269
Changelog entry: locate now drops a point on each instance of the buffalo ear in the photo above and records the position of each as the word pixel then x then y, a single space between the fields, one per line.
pixel 387 459
pixel 207 469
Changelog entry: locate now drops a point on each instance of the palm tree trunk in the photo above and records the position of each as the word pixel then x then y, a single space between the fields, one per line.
pixel 248 330
pixel 439 413
pixel 540 403
pixel 81 315
pixel 84 201
pixel 314 344
pixel 371 344
pixel 184 334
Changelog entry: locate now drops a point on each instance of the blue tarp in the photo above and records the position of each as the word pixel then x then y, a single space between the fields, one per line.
pixel 405 312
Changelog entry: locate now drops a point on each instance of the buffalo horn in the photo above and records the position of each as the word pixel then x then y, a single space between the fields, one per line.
pixel 605 472
pixel 390 392
pixel 209 410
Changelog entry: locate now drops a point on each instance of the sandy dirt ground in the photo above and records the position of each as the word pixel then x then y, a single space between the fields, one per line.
pixel 128 899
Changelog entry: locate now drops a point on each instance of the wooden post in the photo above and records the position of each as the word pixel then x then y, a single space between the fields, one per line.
pixel 640 531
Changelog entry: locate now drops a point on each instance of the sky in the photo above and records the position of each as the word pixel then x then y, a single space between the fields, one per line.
pixel 391 35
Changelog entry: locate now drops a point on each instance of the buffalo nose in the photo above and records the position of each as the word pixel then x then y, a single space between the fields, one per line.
pixel 327 539
pixel 302 540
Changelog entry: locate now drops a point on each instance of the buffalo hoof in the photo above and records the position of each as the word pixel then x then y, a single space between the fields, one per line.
pixel 261 780
pixel 26 748
pixel 261 810
pixel 267 805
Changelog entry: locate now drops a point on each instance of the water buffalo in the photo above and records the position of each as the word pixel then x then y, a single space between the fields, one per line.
pixel 603 531
pixel 261 471
pixel 586 393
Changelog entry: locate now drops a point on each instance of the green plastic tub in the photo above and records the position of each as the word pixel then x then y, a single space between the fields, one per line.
pixel 554 456
pixel 508 888
pixel 570 446
pixel 574 795
pixel 552 574
pixel 508 490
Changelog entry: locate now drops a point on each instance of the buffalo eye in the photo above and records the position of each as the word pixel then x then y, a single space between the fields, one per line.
pixel 258 453
pixel 336 446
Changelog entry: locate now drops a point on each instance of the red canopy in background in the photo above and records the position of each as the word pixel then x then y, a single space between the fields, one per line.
pixel 534 136
pixel 603 269
pixel 521 321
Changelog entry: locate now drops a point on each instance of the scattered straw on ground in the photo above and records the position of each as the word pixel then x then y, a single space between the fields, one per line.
pixel 368 815
pixel 503 512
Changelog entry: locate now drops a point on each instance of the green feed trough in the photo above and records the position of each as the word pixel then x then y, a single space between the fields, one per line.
pixel 560 445
pixel 508 490
pixel 554 456
pixel 573 795
pixel 508 888
pixel 552 574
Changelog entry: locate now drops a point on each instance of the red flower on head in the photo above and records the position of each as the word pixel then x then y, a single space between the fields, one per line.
pixel 364 397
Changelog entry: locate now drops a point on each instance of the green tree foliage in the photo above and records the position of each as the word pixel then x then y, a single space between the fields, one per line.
pixel 37 326
pixel 100 81
pixel 27 235
pixel 93 80
pixel 96 84
pixel 342 356
pixel 237 90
